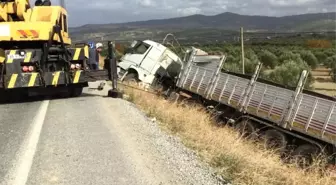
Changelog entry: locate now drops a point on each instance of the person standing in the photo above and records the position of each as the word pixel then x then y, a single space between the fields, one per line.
pixel 99 48
pixel 92 61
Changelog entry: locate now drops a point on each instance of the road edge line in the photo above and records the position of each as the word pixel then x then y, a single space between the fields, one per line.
pixel 19 175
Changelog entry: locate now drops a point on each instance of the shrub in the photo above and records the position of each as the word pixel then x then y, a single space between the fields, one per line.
pixel 250 66
pixel 232 67
pixel 288 55
pixel 268 59
pixel 250 54
pixel 280 51
pixel 231 59
pixel 309 58
pixel 321 57
pixel 330 52
pixel 333 74
pixel 331 61
pixel 289 73
pixel 236 66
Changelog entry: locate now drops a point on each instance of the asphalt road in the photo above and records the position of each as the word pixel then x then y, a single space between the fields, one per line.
pixel 77 141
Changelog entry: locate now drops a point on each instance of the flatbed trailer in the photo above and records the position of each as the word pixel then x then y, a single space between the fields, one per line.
pixel 290 116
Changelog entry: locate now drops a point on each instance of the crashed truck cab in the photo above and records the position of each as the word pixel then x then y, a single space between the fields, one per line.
pixel 149 62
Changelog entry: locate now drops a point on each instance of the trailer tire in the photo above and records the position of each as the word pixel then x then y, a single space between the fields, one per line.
pixel 274 139
pixel 304 154
pixel 247 128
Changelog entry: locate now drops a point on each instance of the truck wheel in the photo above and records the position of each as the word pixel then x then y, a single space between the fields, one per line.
pixel 304 154
pixel 274 139
pixel 131 78
pixel 76 91
pixel 247 128
pixel 173 97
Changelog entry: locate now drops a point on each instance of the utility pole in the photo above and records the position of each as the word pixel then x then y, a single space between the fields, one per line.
pixel 242 48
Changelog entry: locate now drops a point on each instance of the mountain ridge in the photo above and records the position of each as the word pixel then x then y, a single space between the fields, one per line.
pixel 226 20
pixel 206 26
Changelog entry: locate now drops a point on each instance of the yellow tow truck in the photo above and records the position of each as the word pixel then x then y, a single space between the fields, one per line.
pixel 36 53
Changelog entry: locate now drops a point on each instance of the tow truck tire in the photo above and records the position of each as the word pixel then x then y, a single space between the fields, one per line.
pixel 76 91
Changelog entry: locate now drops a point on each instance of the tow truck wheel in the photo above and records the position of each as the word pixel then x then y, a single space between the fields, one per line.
pixel 76 91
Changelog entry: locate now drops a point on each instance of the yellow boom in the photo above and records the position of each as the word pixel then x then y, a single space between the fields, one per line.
pixel 20 22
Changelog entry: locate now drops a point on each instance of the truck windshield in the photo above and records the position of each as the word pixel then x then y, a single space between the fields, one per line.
pixel 139 48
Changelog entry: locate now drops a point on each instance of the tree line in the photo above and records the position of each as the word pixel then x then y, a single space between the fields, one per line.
pixel 281 64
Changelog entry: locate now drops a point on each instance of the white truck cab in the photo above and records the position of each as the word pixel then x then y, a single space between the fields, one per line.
pixel 148 61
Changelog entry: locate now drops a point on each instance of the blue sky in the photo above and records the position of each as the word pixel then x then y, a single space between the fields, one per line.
pixel 116 11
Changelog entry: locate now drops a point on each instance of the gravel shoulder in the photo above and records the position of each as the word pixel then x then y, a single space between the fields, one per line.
pixel 164 156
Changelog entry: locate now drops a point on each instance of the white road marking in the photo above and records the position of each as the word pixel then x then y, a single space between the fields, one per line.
pixel 20 172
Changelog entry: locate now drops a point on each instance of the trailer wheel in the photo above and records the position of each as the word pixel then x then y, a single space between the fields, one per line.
pixel 305 154
pixel 274 139
pixel 247 128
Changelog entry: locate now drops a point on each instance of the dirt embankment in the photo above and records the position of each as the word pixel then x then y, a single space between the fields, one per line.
pixel 237 160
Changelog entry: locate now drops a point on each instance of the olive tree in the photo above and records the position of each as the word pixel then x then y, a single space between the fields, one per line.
pixel 288 55
pixel 331 61
pixel 289 72
pixel 268 59
pixel 237 67
pixel 321 57
pixel 309 58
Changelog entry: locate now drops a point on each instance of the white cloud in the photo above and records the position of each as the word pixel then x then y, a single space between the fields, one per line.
pixel 291 2
pixel 189 11
pixel 145 3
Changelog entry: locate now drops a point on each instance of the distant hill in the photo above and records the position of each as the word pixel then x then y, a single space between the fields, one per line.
pixel 224 21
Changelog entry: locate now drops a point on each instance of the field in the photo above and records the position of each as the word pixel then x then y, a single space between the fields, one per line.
pixel 323 82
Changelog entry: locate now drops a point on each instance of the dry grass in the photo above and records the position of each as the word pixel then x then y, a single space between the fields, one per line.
pixel 321 73
pixel 323 78
pixel 237 160
pixel 327 92
pixel 325 85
